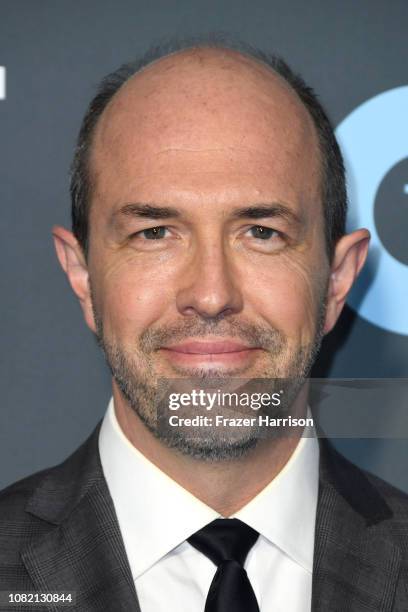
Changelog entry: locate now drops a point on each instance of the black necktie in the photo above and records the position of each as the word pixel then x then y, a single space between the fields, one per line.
pixel 227 542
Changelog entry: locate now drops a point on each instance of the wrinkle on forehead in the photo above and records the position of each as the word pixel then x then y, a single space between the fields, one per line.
pixel 205 111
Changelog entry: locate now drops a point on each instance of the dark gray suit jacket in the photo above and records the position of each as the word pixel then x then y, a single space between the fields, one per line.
pixel 59 532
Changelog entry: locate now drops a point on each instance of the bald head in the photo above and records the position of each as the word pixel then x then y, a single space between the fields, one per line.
pixel 196 90
pixel 203 100
pixel 200 106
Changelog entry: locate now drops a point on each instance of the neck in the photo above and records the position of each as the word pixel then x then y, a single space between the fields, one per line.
pixel 226 485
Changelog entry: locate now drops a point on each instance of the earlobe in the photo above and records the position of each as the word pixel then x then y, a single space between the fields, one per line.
pixel 349 257
pixel 73 262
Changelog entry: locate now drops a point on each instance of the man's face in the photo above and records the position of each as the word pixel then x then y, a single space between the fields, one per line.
pixel 207 252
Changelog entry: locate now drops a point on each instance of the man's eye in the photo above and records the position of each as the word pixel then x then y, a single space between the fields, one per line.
pixel 154 233
pixel 259 231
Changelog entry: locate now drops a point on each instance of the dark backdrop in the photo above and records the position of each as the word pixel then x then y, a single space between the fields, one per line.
pixel 55 385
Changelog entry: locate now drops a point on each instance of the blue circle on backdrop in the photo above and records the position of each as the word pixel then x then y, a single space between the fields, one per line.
pixel 373 139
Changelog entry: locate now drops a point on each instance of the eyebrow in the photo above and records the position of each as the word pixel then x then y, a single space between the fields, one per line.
pixel 256 211
pixel 148 211
pixel 264 211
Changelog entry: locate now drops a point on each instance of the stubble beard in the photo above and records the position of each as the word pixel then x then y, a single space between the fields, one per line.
pixel 135 376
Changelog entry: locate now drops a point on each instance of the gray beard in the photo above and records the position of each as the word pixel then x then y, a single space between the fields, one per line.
pixel 148 396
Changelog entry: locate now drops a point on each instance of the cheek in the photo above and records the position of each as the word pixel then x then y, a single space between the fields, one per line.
pixel 287 294
pixel 132 298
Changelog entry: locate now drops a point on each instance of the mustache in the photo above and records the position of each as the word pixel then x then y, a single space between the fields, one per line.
pixel 265 337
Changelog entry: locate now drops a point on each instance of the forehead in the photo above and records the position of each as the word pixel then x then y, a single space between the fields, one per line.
pixel 202 120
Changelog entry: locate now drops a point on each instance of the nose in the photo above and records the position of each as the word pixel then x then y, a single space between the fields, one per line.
pixel 210 288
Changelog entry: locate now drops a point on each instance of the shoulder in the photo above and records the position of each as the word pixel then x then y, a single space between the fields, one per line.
pixel 389 491
pixel 32 505
pixel 396 499
pixel 372 497
pixel 14 497
pixel 18 527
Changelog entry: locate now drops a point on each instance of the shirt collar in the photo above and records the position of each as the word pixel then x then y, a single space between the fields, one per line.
pixel 156 514
pixel 284 512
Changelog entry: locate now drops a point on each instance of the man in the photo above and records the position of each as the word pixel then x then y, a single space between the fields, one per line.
pixel 208 243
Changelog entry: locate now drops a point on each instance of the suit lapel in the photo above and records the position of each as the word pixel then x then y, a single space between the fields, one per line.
pixel 355 565
pixel 83 550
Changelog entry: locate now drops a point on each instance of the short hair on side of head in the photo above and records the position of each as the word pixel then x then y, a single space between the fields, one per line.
pixel 333 183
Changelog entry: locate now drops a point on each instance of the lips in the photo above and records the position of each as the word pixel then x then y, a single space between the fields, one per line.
pixel 207 354
pixel 208 348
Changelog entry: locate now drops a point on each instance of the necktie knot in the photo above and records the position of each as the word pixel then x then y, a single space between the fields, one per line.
pixel 225 540
pixel 227 543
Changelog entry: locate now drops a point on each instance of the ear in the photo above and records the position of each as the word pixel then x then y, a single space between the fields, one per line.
pixel 349 257
pixel 72 260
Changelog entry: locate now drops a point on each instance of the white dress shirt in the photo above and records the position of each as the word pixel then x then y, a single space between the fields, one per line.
pixel 156 516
